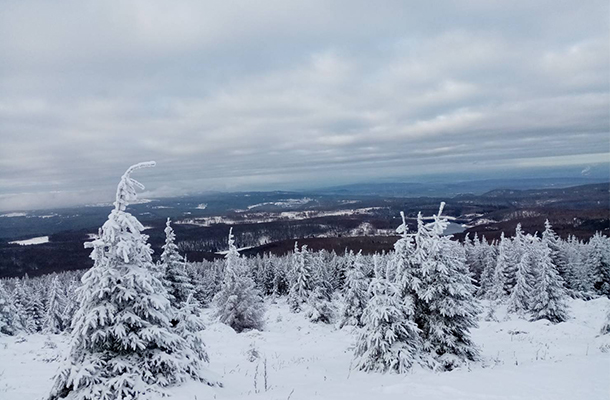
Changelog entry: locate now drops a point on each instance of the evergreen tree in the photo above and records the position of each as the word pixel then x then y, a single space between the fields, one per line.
pixel 488 257
pixel 445 307
pixel 498 286
pixel 239 303
pixel 176 279
pixel 35 312
pixel 189 326
pixel 53 321
pixel 355 294
pixel 520 298
pixel 407 274
pixel 122 343
pixel 319 306
pixel 598 263
pixel 9 320
pixel 390 339
pixel 548 301
pixel 301 275
pixel 558 254
pixel 20 300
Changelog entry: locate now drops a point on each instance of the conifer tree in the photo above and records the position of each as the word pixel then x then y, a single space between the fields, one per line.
pixel 407 274
pixel 301 276
pixel 558 254
pixel 20 300
pixel 488 260
pixel 498 287
pixel 176 279
pixel 390 339
pixel 548 301
pixel 9 320
pixel 53 321
pixel 35 312
pixel 520 298
pixel 445 307
pixel 122 343
pixel 598 263
pixel 355 294
pixel 239 302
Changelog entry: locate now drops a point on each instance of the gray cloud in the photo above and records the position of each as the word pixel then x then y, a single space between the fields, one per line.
pixel 270 94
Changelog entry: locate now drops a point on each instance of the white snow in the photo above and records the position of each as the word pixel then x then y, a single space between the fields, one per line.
pixel 35 240
pixel 521 361
pixel 284 203
pixel 262 217
pixel 13 215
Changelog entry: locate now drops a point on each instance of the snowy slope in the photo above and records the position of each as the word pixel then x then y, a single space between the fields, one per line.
pixel 522 360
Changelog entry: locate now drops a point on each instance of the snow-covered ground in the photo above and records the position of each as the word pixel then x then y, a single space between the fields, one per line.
pixel 35 240
pixel 521 360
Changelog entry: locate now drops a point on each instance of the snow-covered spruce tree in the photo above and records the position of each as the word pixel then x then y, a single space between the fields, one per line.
pixel 175 278
pixel 239 303
pixel 445 307
pixel 355 294
pixel 520 298
pixel 301 278
pixel 488 259
pixel 122 343
pixel 189 326
pixel 598 263
pixel 497 291
pixel 390 339
pixel 558 254
pixel 54 320
pixel 9 320
pixel 407 274
pixel 514 251
pixel 548 301
pixel 319 306
pixel 35 312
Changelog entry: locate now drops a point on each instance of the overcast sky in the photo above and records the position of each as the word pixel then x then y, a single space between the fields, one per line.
pixel 276 94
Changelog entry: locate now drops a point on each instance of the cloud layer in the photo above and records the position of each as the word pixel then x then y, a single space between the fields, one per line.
pixel 275 94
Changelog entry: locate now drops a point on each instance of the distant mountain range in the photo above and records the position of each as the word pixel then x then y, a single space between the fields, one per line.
pixel 476 187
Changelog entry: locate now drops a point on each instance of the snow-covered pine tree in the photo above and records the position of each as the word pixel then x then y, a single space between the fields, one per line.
pixel 239 303
pixel 122 343
pixel 497 290
pixel 558 254
pixel 189 326
pixel 390 339
pixel 19 300
pixel 548 301
pixel 35 311
pixel 175 278
pixel 9 320
pixel 53 322
pixel 576 257
pixel 514 251
pixel 301 277
pixel 445 307
pixel 319 305
pixel 71 304
pixel 598 263
pixel 520 298
pixel 488 256
pixel 407 274
pixel 354 294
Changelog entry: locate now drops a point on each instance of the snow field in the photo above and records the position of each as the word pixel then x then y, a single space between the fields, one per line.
pixel 521 360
